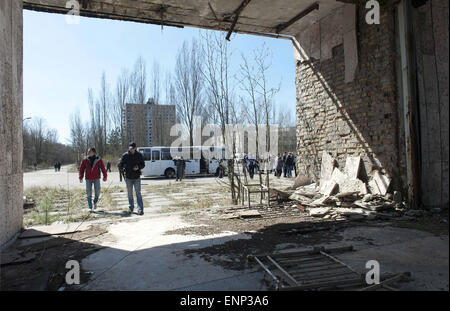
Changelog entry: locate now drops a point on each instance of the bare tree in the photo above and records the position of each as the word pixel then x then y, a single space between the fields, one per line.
pixel 122 94
pixel 138 80
pixel 219 94
pixel 38 132
pixel 251 104
pixel 156 83
pixel 264 89
pixel 103 116
pixel 78 134
pixel 189 85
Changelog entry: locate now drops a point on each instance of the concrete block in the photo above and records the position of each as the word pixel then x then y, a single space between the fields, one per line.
pixel 353 185
pixel 382 182
pixel 301 180
pixel 327 166
pixel 338 177
pixel 328 188
pixel 352 167
pixel 319 211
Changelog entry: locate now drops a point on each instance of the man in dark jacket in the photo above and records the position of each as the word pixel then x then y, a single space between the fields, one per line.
pixel 284 164
pixel 179 166
pixel 131 164
pixel 91 167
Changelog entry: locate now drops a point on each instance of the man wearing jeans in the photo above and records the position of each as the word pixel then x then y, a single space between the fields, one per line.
pixel 91 167
pixel 131 164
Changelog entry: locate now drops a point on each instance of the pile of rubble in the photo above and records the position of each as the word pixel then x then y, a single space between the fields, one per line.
pixel 342 194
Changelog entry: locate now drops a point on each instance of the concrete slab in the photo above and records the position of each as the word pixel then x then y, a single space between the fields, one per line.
pixel 156 261
pixel 381 184
pixel 326 167
pixel 352 167
pixel 59 229
pixel 328 187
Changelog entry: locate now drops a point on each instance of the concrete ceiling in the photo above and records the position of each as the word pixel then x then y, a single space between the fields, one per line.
pixel 265 17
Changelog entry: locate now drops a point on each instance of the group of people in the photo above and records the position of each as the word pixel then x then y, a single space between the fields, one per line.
pixel 130 166
pixel 56 165
pixel 284 164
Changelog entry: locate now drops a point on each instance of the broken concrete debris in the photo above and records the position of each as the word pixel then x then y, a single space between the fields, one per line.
pixel 352 165
pixel 327 166
pixel 301 180
pixel 328 187
pixel 379 183
pixel 241 214
pixel 342 194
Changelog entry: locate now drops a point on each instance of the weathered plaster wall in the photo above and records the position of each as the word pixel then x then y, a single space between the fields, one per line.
pixel 11 180
pixel 430 25
pixel 349 113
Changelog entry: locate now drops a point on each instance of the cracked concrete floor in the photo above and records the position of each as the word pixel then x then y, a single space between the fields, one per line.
pixel 152 253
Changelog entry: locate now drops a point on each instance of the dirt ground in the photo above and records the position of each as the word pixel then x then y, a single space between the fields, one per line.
pixel 302 230
pixel 280 227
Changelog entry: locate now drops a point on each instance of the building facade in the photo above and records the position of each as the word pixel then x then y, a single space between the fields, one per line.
pixel 149 124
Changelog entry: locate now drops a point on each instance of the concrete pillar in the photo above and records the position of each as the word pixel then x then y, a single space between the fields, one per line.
pixel 11 119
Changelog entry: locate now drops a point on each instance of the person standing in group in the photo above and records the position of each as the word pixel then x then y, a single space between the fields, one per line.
pixel 181 168
pixel 284 159
pixel 131 164
pixel 179 165
pixel 90 168
pixel 251 167
pixel 289 164
pixel 108 166
pixel 279 166
pixel 295 164
pixel 221 168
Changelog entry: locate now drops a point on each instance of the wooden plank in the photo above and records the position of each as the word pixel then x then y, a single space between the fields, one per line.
pixel 316 250
pixel 299 260
pixel 286 275
pixel 236 16
pixel 317 271
pixel 277 281
pixel 325 276
pixel 327 284
pixel 337 260
pixel 281 27
pixel 387 281
pixel 315 264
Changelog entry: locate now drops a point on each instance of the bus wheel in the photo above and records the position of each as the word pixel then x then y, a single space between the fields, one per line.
pixel 170 173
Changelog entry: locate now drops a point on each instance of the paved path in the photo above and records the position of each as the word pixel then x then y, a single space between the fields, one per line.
pixel 66 179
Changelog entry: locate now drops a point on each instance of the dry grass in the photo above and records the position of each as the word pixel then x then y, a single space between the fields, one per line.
pixel 58 204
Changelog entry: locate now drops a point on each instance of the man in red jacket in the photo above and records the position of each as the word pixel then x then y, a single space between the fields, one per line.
pixel 92 165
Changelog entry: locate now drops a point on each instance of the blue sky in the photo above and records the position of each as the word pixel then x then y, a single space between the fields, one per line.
pixel 61 61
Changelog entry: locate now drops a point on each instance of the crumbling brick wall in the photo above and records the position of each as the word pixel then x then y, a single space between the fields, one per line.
pixel 355 118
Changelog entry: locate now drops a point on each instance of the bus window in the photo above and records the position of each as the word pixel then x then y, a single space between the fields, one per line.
pixel 155 155
pixel 146 154
pixel 165 154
